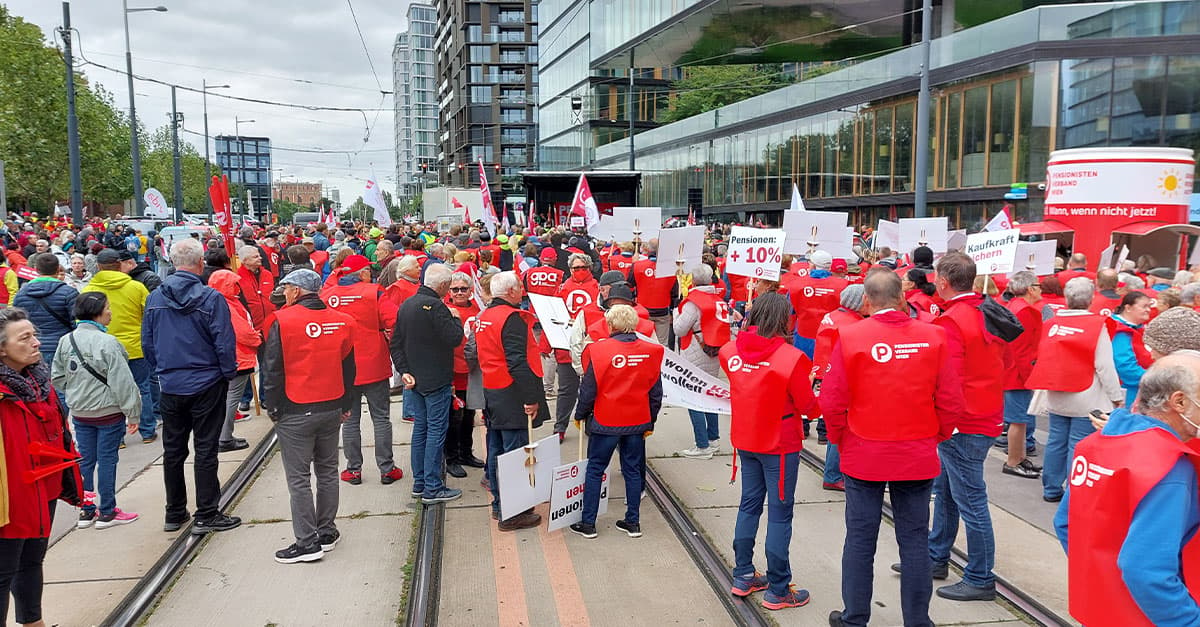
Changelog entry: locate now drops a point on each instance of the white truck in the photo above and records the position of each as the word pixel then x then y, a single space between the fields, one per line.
pixel 451 202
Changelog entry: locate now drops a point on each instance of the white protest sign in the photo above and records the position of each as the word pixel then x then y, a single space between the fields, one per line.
pixel 931 232
pixel 755 252
pixel 821 230
pixel 994 251
pixel 521 490
pixel 1037 257
pixel 887 235
pixel 686 385
pixel 1106 256
pixel 1122 256
pixel 577 222
pixel 552 312
pixel 627 223
pixel 156 204
pixel 956 240
pixel 683 243
pixel 566 498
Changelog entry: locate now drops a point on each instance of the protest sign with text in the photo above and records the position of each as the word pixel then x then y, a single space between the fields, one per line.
pixel 755 252
pixel 686 385
pixel 566 498
pixel 994 252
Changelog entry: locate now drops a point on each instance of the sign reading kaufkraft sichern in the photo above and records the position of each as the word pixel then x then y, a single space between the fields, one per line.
pixel 994 252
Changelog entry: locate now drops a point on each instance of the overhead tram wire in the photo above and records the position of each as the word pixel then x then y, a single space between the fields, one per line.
pixel 366 51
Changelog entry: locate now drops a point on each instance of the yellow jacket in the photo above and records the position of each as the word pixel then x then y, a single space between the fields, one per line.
pixel 127 298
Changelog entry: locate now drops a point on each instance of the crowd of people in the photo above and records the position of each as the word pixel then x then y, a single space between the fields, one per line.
pixel 110 332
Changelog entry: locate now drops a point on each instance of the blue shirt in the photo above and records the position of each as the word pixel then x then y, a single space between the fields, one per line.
pixel 1128 369
pixel 1164 521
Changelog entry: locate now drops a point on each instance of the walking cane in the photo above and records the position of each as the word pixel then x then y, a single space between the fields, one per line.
pixel 254 392
pixel 530 459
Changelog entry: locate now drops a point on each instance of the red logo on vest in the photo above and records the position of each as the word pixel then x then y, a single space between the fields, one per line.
pixel 312 330
pixel 735 363
pixel 723 311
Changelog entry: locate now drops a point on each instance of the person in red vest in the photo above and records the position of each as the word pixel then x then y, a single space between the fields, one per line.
pixel 1107 299
pixel 356 296
pixel 408 281
pixel 512 385
pixel 812 297
pixel 655 294
pixel 318 258
pixel 1125 328
pixel 621 259
pixel 1019 443
pixel 850 311
pixel 459 448
pixel 256 286
pixel 978 356
pixel 579 291
pixel 702 325
pixel 1130 514
pixel 310 369
pixel 620 396
pixel 1076 267
pixel 769 387
pixel 544 279
pixel 592 315
pixel 883 445
pixel 1075 367
pixel 920 292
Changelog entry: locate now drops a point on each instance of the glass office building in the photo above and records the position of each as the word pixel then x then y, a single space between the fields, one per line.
pixel 1006 93
pixel 247 162
pixel 414 77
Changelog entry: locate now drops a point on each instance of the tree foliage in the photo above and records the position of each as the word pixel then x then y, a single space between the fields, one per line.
pixel 158 170
pixel 706 88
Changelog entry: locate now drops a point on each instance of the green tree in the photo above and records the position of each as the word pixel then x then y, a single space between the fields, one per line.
pixel 158 170
pixel 286 209
pixel 711 87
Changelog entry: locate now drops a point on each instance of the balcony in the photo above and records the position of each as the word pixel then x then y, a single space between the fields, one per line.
pixel 511 18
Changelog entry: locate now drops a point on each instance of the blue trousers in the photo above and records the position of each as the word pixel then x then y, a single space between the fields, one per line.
pixel 98 448
pixel 633 462
pixel 431 418
pixel 1065 433
pixel 147 384
pixel 833 465
pixel 499 442
pixel 960 491
pixel 705 427
pixel 864 509
pixel 760 481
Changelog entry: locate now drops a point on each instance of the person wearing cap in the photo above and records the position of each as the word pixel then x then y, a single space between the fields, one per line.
pixel 544 279
pixel 1160 279
pixel 127 298
pixel 702 326
pixel 194 383
pixel 1177 328
pixel 839 268
pixel 310 366
pixel 368 250
pixel 356 296
pixel 504 257
pixel 269 251
pixel 812 297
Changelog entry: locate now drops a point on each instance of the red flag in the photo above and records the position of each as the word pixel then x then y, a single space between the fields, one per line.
pixel 489 210
pixel 691 217
pixel 458 205
pixel 222 214
pixel 584 204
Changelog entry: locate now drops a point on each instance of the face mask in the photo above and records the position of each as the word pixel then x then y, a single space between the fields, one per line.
pixel 1187 420
pixel 581 275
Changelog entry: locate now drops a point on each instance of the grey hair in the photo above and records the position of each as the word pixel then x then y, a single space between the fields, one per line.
pixel 9 315
pixel 438 275
pixel 504 283
pixel 1132 281
pixel 1188 294
pixel 1020 282
pixel 1079 293
pixel 702 275
pixel 461 276
pixel 1163 380
pixel 1182 278
pixel 187 253
pixel 406 263
pixel 435 250
pixel 246 250
pixel 1128 265
pixel 579 257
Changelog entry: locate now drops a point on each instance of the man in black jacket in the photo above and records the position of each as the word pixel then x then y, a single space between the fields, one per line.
pixel 422 348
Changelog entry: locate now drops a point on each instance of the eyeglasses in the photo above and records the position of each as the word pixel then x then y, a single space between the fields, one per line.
pixel 580 268
pixel 460 289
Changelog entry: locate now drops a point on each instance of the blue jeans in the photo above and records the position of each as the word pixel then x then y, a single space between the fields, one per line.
pixel 633 461
pixel 864 508
pixel 833 465
pixel 1016 411
pixel 98 448
pixel 760 479
pixel 1065 433
pixel 705 427
pixel 143 375
pixel 961 491
pixel 431 418
pixel 499 442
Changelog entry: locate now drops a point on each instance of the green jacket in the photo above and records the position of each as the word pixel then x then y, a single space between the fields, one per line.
pixel 105 354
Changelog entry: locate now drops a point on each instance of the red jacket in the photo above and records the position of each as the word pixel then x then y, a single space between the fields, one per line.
pixel 257 292
pixel 1024 349
pixel 400 291
pixel 978 357
pixel 28 426
pixel 248 337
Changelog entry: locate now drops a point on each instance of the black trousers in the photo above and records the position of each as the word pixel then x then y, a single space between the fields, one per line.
pixel 459 441
pixel 21 575
pixel 199 415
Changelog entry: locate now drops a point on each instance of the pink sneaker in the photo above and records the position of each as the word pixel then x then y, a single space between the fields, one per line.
pixel 117 517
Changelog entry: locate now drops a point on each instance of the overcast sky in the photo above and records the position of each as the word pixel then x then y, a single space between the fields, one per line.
pixel 294 51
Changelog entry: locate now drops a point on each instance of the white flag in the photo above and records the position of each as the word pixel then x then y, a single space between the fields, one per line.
pixel 797 201
pixel 489 210
pixel 373 197
pixel 1002 221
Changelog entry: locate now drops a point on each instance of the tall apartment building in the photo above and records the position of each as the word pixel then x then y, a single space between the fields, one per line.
pixel 416 110
pixel 487 57
pixel 247 162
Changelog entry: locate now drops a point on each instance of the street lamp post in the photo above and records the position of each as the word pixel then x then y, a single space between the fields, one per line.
pixel 208 167
pixel 133 134
pixel 237 134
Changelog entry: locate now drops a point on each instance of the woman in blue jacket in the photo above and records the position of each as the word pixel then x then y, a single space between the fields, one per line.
pixel 1130 356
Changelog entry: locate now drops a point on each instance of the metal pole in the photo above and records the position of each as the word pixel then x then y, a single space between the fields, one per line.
pixel 922 141
pixel 207 166
pixel 72 122
pixel 175 121
pixel 629 112
pixel 133 131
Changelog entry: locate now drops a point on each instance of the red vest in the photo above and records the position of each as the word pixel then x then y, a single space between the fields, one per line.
pixel 900 363
pixel 400 291
pixel 578 295
pixel 1110 476
pixel 1104 305
pixel 543 280
pixel 1067 352
pixel 714 319
pixel 738 290
pixel 1024 349
pixel 489 327
pixel 921 301
pixel 983 379
pixel 318 258
pixel 758 391
pixel 621 263
pixel 651 292
pixel 800 268
pixel 625 372
pixel 314 341
pixel 360 301
pixel 4 295
pixel 1136 334
pixel 812 299
pixel 827 335
pixel 1067 275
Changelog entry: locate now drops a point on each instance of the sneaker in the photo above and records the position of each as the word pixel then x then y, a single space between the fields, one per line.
pixel 715 445
pixel 1020 470
pixel 524 520
pixel 408 419
pixel 939 571
pixel 485 484
pixel 417 491
pixel 697 453
pixel 176 525
pixel 836 486
pixel 792 598
pixel 633 530
pixel 963 591
pixel 150 439
pixel 235 444
pixel 117 517
pixel 242 417
pixel 329 540
pixel 388 478
pixel 297 553
pixel 584 529
pixel 244 408
pixel 353 477
pixel 86 519
pixel 219 522
pixel 455 470
pixel 746 586
pixel 444 495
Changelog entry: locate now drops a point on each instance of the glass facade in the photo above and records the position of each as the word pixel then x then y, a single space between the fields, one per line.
pixel 415 101
pixel 247 162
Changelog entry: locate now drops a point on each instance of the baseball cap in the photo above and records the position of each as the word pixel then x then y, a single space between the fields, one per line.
pixel 353 264
pixel 838 265
pixel 820 259
pixel 375 232
pixel 108 256
pixel 548 254
pixel 612 277
pixel 304 279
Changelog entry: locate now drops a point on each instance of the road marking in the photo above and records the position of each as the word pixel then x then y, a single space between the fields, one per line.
pixel 568 597
pixel 510 586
